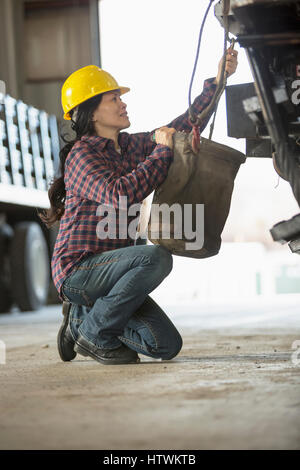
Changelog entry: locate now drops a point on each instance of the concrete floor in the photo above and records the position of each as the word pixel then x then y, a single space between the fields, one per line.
pixel 235 384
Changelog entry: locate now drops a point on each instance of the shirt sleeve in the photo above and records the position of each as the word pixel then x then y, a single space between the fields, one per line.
pixel 88 176
pixel 181 123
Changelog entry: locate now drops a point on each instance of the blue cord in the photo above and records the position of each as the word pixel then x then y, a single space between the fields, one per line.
pixel 198 49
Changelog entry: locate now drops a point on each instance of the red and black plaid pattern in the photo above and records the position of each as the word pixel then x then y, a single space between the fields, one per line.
pixel 97 175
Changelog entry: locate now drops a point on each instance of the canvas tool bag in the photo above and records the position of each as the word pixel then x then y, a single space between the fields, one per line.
pixel 202 172
pixel 206 177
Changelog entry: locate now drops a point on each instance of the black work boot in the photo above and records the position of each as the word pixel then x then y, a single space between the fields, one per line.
pixel 65 341
pixel 120 355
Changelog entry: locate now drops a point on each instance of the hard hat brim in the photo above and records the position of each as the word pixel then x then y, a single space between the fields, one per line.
pixel 123 90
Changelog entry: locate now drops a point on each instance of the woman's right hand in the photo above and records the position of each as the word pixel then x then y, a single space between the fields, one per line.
pixel 164 136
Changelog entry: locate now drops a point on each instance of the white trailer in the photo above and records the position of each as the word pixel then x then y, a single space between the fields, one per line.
pixel 29 155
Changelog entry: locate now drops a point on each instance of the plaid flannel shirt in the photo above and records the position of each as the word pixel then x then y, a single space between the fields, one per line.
pixel 97 175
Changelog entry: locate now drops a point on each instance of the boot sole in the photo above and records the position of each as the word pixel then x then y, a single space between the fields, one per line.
pixel 107 361
pixel 63 355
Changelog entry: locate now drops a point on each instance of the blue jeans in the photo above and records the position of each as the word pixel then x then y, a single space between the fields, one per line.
pixel 109 292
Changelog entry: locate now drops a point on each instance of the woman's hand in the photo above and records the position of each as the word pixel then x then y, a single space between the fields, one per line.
pixel 230 66
pixel 164 136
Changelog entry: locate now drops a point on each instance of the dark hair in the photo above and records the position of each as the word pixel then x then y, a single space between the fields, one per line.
pixel 83 125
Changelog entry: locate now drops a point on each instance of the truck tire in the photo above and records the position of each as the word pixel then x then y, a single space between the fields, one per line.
pixel 29 266
pixel 6 299
pixel 53 297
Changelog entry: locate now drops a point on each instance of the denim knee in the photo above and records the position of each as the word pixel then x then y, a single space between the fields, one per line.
pixel 174 347
pixel 161 257
pixel 170 349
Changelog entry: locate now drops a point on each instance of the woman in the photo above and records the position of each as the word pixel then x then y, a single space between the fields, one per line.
pixel 105 279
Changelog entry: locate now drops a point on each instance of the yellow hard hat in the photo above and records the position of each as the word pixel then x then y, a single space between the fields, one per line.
pixel 85 83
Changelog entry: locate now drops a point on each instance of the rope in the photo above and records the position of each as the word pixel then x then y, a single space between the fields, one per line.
pixel 226 28
pixel 196 121
pixel 198 50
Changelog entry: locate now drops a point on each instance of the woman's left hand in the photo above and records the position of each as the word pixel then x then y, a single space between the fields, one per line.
pixel 231 64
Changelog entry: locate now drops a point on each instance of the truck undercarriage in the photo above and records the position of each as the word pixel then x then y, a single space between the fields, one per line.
pixel 267 113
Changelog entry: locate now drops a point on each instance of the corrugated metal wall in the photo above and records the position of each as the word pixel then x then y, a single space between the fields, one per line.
pixel 41 43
